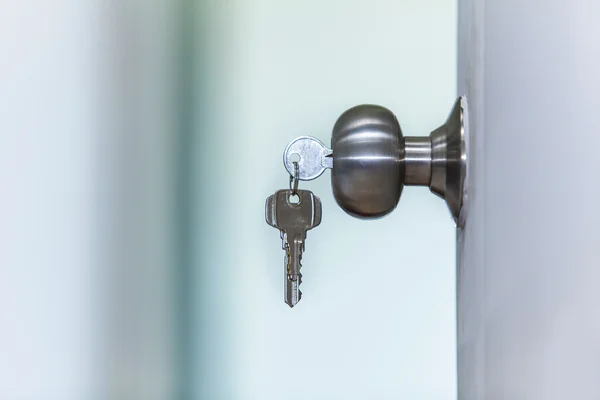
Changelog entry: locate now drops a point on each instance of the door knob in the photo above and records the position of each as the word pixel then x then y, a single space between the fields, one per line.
pixel 372 160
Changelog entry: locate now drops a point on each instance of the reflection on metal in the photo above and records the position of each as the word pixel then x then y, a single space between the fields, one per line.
pixel 449 160
pixel 368 168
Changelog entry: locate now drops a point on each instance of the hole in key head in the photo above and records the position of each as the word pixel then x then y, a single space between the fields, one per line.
pixel 294 157
pixel 294 198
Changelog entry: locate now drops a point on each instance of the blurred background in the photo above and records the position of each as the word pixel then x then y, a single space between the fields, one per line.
pixel 139 140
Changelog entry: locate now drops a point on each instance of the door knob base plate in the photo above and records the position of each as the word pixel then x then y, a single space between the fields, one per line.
pixel 449 160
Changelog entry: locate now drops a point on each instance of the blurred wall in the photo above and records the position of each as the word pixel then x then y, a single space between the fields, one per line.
pixel 377 319
pixel 87 128
pixel 51 316
pixel 139 140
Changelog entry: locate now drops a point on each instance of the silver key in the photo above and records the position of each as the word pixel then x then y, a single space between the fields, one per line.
pixel 293 220
pixel 312 155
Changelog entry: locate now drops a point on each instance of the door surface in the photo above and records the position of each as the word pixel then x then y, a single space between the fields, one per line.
pixel 528 275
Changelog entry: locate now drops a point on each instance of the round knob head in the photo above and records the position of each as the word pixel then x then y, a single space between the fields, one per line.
pixel 368 169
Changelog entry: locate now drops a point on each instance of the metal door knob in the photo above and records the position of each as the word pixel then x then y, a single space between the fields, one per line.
pixel 368 173
pixel 372 161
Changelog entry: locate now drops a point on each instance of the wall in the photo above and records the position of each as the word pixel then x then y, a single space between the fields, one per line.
pixel 139 142
pixel 47 234
pixel 377 319
pixel 86 168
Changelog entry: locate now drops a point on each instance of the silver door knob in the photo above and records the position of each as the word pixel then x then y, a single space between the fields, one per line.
pixel 368 173
pixel 372 161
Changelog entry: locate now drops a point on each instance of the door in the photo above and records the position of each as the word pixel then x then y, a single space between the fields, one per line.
pixel 528 266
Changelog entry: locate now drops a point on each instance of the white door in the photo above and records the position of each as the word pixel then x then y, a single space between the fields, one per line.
pixel 528 325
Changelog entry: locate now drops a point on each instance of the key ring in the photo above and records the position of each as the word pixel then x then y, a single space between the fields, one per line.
pixel 295 179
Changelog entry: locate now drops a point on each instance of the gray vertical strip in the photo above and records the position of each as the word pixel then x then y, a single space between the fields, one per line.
pixel 185 276
pixel 539 329
pixel 470 241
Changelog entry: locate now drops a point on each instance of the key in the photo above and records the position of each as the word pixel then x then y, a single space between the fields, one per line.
pixel 312 155
pixel 293 219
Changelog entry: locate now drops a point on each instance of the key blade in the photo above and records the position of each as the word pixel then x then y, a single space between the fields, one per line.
pixel 293 276
pixel 292 293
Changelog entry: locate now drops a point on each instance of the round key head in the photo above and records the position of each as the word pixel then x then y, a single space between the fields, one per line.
pixel 368 169
pixel 312 156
